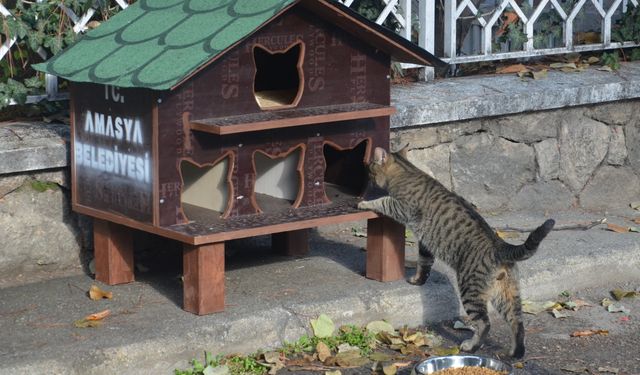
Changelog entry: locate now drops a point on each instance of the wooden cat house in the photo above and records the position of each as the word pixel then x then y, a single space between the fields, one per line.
pixel 207 121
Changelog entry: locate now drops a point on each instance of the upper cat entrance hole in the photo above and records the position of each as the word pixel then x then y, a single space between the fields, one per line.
pixel 279 79
pixel 345 169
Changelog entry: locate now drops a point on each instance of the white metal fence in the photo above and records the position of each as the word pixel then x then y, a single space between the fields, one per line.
pixel 418 21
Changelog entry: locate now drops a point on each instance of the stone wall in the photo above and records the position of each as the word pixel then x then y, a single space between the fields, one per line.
pixel 40 237
pixel 586 157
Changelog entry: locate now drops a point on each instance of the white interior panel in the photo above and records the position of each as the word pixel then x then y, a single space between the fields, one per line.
pixel 207 186
pixel 278 177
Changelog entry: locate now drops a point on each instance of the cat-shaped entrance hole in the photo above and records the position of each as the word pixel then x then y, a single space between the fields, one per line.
pixel 345 169
pixel 278 81
pixel 205 186
pixel 278 179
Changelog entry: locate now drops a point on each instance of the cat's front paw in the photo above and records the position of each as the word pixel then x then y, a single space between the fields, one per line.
pixel 364 205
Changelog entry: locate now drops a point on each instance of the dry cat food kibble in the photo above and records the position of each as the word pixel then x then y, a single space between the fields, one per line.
pixel 469 370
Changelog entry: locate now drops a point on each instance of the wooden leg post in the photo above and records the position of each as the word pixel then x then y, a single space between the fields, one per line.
pixel 294 243
pixel 203 278
pixel 113 252
pixel 385 249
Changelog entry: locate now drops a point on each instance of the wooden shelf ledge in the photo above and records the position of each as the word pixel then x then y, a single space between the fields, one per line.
pixel 290 117
pixel 208 227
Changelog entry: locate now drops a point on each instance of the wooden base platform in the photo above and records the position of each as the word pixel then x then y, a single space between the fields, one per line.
pixel 204 241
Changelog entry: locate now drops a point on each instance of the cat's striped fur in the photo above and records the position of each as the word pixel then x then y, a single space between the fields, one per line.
pixel 450 229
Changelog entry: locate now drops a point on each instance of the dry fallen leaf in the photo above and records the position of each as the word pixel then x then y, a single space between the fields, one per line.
pixel 563 66
pixel 574 368
pixel 390 369
pixel 93 320
pixel 351 359
pixel 518 365
pixel 344 347
pixel 96 293
pixel 510 69
pixel 402 364
pixel 593 60
pixel 441 351
pixel 617 309
pixel 587 37
pixel 589 332
pixel 558 314
pixel 380 357
pixel 380 326
pixel 576 304
pixel 323 351
pixel 272 357
pixel 323 326
pixel 535 308
pixel 610 369
pixel 507 234
pixel 99 315
pixel 389 339
pixel 83 323
pixel 619 294
pixel 617 228
pixel 274 362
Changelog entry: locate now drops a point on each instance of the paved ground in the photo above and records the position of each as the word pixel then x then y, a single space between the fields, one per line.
pixel 271 298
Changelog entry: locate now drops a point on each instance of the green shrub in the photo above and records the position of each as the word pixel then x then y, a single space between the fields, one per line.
pixel 39 28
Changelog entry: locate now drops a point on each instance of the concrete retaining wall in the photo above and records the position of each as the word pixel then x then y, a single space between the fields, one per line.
pixel 572 140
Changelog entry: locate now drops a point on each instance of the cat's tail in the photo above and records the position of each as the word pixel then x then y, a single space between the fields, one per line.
pixel 512 253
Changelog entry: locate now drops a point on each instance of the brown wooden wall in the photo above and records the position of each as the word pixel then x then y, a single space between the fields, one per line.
pixel 337 68
pixel 112 159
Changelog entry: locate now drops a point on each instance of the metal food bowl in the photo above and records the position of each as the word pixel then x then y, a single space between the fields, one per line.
pixel 434 364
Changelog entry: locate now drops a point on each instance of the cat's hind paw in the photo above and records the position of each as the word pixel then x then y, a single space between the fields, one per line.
pixel 470 346
pixel 417 279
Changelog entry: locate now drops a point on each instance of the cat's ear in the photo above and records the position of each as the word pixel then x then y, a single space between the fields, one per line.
pixel 403 151
pixel 380 156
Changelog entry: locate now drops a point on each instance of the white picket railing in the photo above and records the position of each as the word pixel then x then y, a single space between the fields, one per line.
pixel 602 13
pixel 417 19
pixel 480 46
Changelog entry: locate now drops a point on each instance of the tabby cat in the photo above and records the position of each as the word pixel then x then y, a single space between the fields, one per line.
pixel 449 228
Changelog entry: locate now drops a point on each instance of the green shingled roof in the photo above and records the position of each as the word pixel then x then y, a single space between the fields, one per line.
pixel 156 43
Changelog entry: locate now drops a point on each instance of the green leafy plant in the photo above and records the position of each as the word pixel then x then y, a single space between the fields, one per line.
pixel 42 186
pixel 550 29
pixel 356 336
pixel 371 10
pixel 41 29
pixel 634 54
pixel 349 334
pixel 627 28
pixel 304 344
pixel 245 365
pixel 352 335
pixel 612 60
pixel 236 365
pixel 510 32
